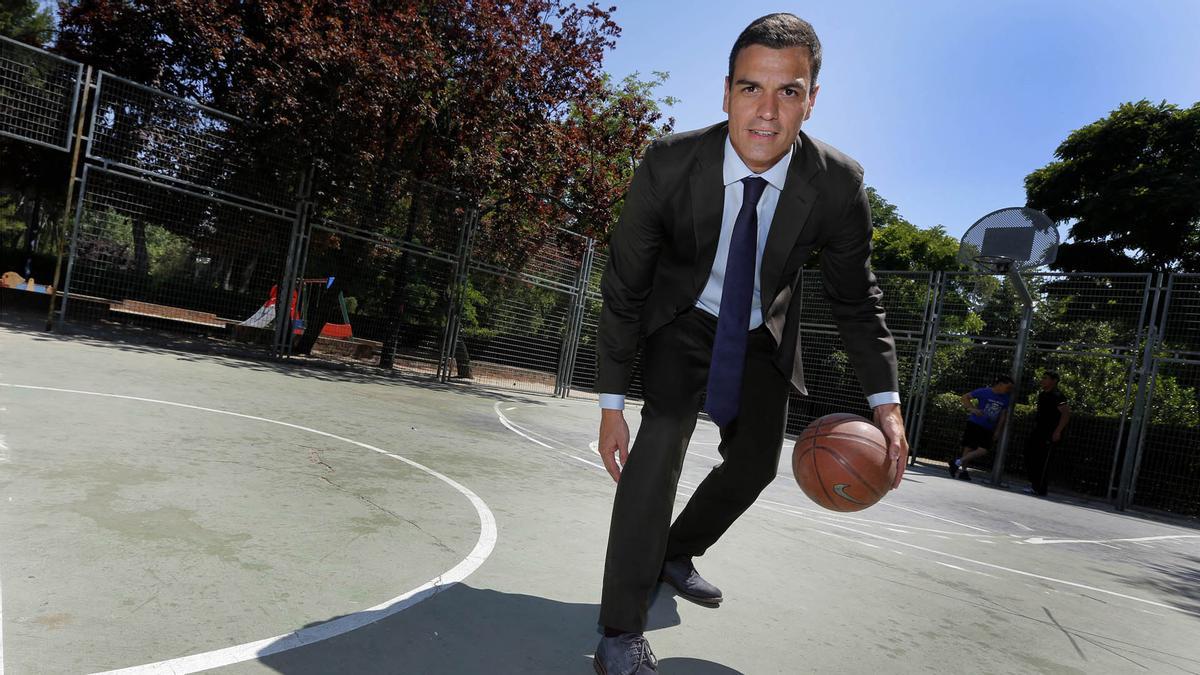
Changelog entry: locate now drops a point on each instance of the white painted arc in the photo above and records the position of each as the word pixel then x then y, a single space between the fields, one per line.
pixel 518 430
pixel 483 548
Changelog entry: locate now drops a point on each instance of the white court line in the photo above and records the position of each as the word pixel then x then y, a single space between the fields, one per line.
pixel 1 624
pixel 930 515
pixel 1023 527
pixel 1011 570
pixel 1136 540
pixel 344 624
pixel 513 428
pixel 829 522
pixel 855 519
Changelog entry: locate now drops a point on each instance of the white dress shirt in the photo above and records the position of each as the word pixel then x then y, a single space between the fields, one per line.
pixel 733 170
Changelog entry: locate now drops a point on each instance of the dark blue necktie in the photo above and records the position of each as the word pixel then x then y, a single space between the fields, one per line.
pixel 733 324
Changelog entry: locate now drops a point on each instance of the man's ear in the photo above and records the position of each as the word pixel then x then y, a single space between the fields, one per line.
pixel 725 98
pixel 812 101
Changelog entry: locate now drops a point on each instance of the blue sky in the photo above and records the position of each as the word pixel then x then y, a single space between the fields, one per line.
pixel 947 104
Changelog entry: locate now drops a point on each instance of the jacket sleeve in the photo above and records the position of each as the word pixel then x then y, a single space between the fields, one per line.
pixel 628 278
pixel 855 298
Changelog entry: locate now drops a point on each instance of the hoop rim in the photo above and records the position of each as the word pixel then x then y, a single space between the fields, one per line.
pixel 993 259
pixel 1000 264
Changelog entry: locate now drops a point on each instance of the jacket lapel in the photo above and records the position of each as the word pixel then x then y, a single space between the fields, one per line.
pixel 795 203
pixel 708 202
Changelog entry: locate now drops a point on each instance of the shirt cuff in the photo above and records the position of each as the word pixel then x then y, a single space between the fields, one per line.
pixel 874 400
pixel 612 401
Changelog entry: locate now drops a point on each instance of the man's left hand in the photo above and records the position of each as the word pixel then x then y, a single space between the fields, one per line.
pixel 891 422
pixel 1057 436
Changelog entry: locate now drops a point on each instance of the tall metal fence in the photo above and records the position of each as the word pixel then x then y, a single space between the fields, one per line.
pixel 185 220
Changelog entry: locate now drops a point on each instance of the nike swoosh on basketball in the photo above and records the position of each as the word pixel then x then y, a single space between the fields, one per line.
pixel 840 489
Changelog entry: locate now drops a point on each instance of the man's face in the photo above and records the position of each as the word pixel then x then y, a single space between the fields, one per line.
pixel 1004 388
pixel 1048 383
pixel 768 98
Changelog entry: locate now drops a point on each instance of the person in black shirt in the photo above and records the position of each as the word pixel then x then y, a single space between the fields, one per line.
pixel 1053 412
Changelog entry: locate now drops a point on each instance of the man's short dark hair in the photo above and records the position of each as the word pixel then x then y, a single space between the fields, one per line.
pixel 1002 379
pixel 779 31
pixel 1051 374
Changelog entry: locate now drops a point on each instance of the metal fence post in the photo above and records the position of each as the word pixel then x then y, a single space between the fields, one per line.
pixel 1146 316
pixel 937 302
pixel 297 251
pixel 1018 367
pixel 66 290
pixel 921 356
pixel 1140 418
pixel 66 219
pixel 457 294
pixel 571 337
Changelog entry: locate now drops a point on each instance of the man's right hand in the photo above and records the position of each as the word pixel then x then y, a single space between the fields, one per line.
pixel 614 441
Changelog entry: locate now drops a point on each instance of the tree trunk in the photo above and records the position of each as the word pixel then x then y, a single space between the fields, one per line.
pixel 396 304
pixel 462 358
pixel 141 258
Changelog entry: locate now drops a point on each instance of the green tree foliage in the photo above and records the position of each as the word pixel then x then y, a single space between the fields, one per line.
pixel 900 245
pixel 1128 184
pixel 26 21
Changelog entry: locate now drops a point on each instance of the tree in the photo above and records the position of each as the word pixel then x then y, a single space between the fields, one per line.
pixel 1128 184
pixel 505 104
pixel 899 245
pixel 25 21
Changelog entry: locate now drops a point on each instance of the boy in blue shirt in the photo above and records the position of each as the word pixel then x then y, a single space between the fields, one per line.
pixel 989 410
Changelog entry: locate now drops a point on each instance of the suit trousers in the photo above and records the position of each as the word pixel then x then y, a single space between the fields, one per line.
pixel 641 535
pixel 1037 459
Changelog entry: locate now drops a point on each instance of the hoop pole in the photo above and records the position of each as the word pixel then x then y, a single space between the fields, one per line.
pixel 1018 368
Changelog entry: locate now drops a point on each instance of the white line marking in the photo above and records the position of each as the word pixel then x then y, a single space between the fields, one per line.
pixel 845 538
pixel 820 513
pixel 764 504
pixel 1135 540
pixel 953 567
pixel 510 408
pixel 516 430
pixel 1011 570
pixel 1023 527
pixel 306 636
pixel 2 621
pixel 930 515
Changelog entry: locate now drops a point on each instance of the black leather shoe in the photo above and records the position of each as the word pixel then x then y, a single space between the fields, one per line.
pixel 682 575
pixel 625 654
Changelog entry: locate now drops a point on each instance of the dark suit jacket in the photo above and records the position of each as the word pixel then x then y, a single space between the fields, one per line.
pixel 663 247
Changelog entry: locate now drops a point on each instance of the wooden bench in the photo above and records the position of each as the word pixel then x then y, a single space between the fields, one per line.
pixel 153 311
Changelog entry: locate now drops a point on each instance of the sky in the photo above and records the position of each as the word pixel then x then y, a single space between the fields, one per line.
pixel 948 104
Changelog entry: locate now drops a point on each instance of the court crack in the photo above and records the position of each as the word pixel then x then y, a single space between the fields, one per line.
pixel 383 509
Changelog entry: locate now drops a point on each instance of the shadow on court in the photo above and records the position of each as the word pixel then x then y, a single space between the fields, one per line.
pixel 473 630
pixel 1177 580
pixel 202 347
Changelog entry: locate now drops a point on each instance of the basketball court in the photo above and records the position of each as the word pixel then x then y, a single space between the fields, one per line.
pixel 174 512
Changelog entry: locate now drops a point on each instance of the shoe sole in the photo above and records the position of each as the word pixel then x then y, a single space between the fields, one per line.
pixel 711 602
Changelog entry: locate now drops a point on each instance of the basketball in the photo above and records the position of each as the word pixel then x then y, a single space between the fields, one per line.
pixel 841 463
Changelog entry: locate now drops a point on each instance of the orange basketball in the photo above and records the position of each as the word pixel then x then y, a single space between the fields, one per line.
pixel 841 463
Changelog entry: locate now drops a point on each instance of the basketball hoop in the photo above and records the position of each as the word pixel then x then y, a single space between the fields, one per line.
pixel 1010 241
pixel 997 264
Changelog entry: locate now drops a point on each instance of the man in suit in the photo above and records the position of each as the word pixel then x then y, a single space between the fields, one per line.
pixel 703 266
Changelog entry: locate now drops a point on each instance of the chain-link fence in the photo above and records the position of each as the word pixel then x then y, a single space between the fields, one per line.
pixel 38 95
pixel 1165 450
pixel 1086 328
pixel 187 219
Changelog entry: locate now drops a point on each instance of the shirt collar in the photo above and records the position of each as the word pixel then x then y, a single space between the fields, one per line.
pixel 734 169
